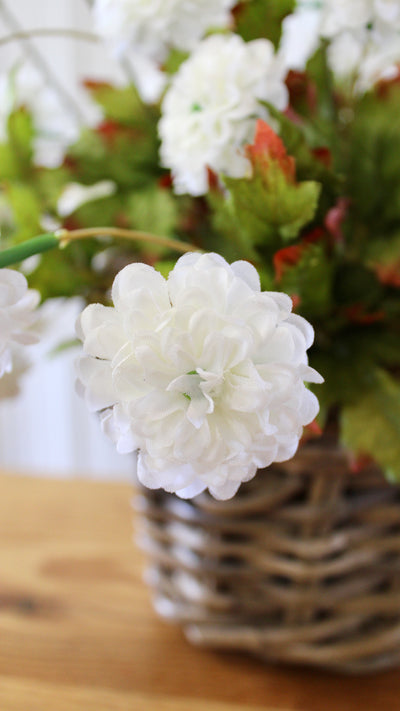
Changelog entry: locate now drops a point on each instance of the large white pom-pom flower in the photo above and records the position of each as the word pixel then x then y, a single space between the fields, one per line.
pixel 210 110
pixel 202 373
pixel 17 317
pixel 149 29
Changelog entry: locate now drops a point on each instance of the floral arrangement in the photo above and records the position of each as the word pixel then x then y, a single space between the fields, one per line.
pixel 261 139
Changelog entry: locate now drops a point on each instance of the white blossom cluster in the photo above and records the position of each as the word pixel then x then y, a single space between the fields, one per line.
pixel 17 318
pixel 364 38
pixel 211 108
pixel 202 373
pixel 149 29
pixel 54 128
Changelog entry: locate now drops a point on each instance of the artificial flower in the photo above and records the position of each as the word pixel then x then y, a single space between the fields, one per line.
pixel 150 28
pixel 17 318
pixel 203 373
pixel 24 88
pixel 210 110
pixel 364 38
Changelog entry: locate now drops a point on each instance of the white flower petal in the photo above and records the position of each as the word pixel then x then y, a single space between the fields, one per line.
pixel 205 375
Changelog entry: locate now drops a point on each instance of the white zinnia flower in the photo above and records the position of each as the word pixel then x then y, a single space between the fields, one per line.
pixel 17 317
pixel 149 29
pixel 202 373
pixel 210 111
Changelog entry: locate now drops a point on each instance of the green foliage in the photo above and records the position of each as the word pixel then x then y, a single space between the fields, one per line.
pixel 122 105
pixel 356 284
pixel 126 156
pixel 372 165
pixel 372 424
pixel 26 210
pixel 153 210
pixel 271 209
pixel 9 168
pixel 256 18
pixel 20 134
pixel 311 281
pixel 164 267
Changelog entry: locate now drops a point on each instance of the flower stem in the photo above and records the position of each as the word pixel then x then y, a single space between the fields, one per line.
pixel 36 245
pixel 62 238
pixel 66 236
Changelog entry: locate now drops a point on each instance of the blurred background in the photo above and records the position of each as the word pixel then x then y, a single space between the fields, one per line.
pixel 47 430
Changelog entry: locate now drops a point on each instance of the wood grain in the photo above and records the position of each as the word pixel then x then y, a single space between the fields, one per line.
pixel 77 630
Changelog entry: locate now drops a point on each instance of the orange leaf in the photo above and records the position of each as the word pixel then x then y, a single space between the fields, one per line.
pixel 269 148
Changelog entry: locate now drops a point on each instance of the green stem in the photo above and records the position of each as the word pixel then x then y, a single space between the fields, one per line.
pixel 36 245
pixel 62 238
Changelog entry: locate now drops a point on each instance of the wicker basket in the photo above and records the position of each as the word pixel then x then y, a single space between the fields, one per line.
pixel 301 566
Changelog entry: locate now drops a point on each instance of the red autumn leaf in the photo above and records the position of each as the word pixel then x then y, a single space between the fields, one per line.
pixel 268 149
pixel 301 90
pixel 324 155
pixel 316 235
pixel 286 257
pixel 356 314
pixel 296 301
pixel 165 181
pixel 290 256
pixel 108 130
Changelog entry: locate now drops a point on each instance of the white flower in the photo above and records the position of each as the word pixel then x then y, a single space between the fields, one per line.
pixel 300 37
pixel 154 26
pixel 17 317
pixel 74 195
pixel 202 373
pixel 364 38
pixel 54 128
pixel 341 15
pixel 210 111
pixel 387 12
pixel 150 28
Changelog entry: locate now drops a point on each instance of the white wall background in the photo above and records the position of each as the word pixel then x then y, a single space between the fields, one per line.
pixel 47 429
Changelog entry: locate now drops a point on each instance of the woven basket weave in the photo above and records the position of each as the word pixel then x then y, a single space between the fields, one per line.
pixel 301 566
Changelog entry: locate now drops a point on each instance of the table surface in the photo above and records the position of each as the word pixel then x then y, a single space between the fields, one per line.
pixel 78 633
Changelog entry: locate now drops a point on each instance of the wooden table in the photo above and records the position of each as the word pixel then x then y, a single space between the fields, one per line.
pixel 77 631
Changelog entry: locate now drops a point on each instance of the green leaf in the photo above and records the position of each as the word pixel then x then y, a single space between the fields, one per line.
pixel 372 425
pixel 372 166
pixel 9 168
pixel 119 104
pixel 128 157
pixel 26 209
pixel 272 208
pixel 311 280
pixel 20 134
pixel 164 267
pixel 257 18
pixel 152 209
